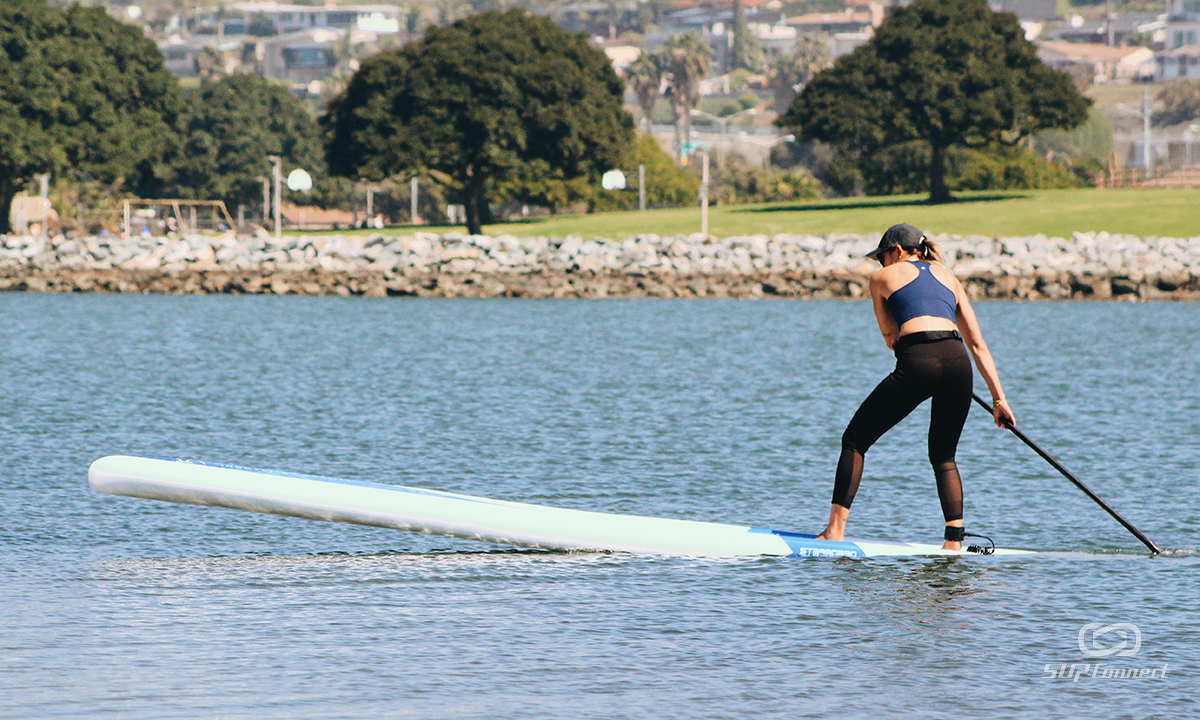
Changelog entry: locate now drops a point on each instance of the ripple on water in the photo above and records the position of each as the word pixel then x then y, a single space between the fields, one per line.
pixel 725 411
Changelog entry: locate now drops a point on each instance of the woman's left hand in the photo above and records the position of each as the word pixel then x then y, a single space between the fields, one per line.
pixel 1003 415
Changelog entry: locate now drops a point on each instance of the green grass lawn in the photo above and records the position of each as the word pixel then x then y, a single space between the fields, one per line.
pixel 1142 212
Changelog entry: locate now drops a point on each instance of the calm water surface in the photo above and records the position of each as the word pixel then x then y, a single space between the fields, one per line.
pixel 724 411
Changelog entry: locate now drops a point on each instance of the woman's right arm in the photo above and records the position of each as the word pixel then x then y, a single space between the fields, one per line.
pixel 887 324
pixel 973 337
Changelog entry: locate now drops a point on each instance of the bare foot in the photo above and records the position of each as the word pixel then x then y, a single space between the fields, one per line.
pixel 952 545
pixel 837 524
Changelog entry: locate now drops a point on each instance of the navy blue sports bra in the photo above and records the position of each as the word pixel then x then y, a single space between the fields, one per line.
pixel 925 295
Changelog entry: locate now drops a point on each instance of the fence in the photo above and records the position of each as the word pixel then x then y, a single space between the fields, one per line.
pixel 1117 177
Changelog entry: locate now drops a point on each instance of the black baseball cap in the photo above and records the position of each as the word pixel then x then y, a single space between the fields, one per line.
pixel 902 235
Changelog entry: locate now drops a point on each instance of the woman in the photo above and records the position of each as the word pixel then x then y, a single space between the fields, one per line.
pixel 925 318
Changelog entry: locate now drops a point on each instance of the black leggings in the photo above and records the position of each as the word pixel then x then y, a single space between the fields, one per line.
pixel 928 365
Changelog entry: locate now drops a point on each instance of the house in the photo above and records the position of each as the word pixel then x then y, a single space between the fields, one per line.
pixel 384 19
pixel 1027 10
pixel 858 17
pixel 1102 63
pixel 302 57
pixel 1183 24
pixel 1125 29
pixel 843 30
pixel 185 58
pixel 714 21
pixel 749 5
pixel 1182 62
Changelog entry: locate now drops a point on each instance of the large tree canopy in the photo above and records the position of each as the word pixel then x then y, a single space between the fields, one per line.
pixel 945 72
pixel 493 98
pixel 232 126
pixel 1180 102
pixel 80 91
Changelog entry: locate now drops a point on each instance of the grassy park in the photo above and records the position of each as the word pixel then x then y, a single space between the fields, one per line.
pixel 1142 212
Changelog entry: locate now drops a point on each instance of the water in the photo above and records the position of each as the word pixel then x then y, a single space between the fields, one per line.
pixel 725 411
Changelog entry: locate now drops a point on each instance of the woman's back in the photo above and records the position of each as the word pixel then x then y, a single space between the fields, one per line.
pixel 924 295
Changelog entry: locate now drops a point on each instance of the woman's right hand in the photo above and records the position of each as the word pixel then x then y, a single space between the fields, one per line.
pixel 1003 414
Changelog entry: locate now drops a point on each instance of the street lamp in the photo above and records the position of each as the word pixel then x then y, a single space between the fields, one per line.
pixel 1145 115
pixel 768 144
pixel 724 123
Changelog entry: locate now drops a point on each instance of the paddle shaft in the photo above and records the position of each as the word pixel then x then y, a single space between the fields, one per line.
pixel 1078 483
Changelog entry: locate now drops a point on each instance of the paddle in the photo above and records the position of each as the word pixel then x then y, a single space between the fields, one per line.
pixel 1087 491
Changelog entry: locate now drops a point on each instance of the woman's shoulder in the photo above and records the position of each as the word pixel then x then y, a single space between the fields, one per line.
pixel 894 275
pixel 942 273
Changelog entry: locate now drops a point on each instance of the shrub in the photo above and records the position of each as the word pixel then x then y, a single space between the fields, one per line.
pixel 739 184
pixel 1011 168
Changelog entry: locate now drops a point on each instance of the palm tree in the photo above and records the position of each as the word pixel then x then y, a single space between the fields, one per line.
pixel 645 77
pixel 790 72
pixel 687 60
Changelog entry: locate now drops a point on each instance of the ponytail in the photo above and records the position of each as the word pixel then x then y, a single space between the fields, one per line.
pixel 930 252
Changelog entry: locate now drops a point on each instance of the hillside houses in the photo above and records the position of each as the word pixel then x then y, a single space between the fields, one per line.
pixel 1095 63
pixel 299 44
pixel 287 42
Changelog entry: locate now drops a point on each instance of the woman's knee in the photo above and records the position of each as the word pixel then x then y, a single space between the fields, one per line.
pixel 852 440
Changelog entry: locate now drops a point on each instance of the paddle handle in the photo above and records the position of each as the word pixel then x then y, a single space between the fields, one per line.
pixel 1078 483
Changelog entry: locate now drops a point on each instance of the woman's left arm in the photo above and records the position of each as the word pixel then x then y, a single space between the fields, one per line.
pixel 973 337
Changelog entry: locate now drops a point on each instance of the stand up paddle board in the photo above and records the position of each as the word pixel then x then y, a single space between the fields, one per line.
pixel 464 516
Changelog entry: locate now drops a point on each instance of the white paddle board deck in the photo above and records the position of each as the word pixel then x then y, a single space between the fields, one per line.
pixel 464 516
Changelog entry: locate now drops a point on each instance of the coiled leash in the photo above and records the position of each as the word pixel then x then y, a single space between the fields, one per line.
pixel 956 534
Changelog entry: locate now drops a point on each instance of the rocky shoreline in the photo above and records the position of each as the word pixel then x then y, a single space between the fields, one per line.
pixel 1087 265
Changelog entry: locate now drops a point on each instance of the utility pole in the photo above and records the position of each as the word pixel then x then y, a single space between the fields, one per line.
pixel 1146 129
pixel 641 188
pixel 413 209
pixel 45 182
pixel 278 177
pixel 1108 21
pixel 704 196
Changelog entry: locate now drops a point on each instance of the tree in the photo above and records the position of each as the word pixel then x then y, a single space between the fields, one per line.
pixel 490 99
pixel 80 91
pixel 667 184
pixel 744 53
pixel 1180 102
pixel 788 72
pixel 209 65
pixel 1092 140
pixel 945 72
pixel 231 128
pixel 686 60
pixel 261 25
pixel 645 78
